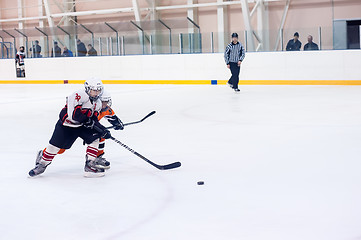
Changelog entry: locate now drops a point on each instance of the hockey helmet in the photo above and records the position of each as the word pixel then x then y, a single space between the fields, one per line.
pixel 94 83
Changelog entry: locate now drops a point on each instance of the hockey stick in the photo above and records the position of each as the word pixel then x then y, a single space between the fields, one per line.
pixel 126 124
pixel 160 167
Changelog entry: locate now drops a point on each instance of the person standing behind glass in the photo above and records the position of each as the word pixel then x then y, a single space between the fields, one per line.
pixel 294 44
pixel 310 46
pixel 92 51
pixel 56 49
pixel 233 56
pixel 36 50
pixel 81 48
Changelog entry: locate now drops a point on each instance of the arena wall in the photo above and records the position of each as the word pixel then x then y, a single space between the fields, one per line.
pixel 318 67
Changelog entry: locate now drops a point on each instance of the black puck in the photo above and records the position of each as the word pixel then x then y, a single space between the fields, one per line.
pixel 200 183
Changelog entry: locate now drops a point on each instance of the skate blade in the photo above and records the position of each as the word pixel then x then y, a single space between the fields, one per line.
pixel 34 176
pixel 94 175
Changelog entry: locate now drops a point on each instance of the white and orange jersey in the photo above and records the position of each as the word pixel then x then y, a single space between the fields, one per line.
pixel 79 108
pixel 104 113
pixel 108 111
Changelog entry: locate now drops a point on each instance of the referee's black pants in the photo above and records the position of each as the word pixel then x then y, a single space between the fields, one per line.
pixel 235 69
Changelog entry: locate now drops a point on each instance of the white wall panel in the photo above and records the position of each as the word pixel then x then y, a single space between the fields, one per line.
pixel 322 65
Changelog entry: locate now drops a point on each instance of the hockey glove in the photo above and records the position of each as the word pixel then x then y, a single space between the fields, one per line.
pixel 81 115
pixel 106 134
pixel 89 123
pixel 116 122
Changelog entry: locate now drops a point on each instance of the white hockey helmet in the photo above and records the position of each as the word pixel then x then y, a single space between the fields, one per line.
pixel 94 83
pixel 106 97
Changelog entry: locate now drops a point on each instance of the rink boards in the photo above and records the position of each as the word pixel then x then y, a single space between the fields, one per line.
pixel 259 68
pixel 194 82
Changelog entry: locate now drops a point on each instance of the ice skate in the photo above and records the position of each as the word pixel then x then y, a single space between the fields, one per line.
pixel 91 170
pixel 39 166
pixel 101 162
pixel 237 90
pixel 38 157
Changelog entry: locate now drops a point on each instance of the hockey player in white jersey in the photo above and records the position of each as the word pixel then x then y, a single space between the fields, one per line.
pixel 108 113
pixel 79 118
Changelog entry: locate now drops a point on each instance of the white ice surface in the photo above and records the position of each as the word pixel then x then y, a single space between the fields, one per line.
pixel 279 163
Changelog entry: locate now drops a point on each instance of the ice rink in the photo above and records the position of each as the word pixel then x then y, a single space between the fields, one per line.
pixel 278 162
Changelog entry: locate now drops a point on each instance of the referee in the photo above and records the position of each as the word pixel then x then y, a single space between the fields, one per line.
pixel 233 56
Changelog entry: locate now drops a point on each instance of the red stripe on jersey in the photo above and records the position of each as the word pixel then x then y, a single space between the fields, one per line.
pixel 75 109
pixel 65 117
pixel 86 112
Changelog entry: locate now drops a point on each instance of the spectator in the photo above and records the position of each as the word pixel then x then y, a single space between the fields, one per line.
pixel 67 52
pixel 81 48
pixel 310 46
pixel 92 51
pixel 56 49
pixel 294 44
pixel 19 59
pixel 36 50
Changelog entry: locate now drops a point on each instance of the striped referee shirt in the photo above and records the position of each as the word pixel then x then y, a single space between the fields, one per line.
pixel 234 53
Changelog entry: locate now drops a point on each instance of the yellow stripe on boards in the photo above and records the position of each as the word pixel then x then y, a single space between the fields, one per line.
pixel 186 82
pixel 31 81
pixel 300 82
pixel 75 82
pixel 194 82
pixel 295 82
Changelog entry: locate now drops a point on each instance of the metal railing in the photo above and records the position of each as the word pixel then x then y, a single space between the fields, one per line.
pixel 146 37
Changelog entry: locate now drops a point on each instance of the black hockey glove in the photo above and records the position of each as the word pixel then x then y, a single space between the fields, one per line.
pixel 102 131
pixel 89 123
pixel 116 122
pixel 106 134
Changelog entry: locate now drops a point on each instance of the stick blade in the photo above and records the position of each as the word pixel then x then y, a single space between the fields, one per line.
pixel 170 166
pixel 150 114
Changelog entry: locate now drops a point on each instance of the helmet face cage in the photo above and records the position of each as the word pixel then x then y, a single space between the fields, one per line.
pixel 107 99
